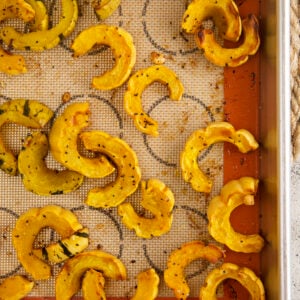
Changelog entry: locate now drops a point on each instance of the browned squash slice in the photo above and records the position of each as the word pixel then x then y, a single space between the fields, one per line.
pixel 158 199
pixel 28 227
pixel 105 8
pixel 93 285
pixel 128 170
pixel 19 9
pixel 12 64
pixel 15 288
pixel 68 281
pixel 63 140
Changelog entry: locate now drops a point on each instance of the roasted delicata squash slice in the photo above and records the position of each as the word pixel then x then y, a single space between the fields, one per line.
pixel 15 288
pixel 224 13
pixel 245 276
pixel 137 83
pixel 28 227
pixel 233 194
pixel 41 18
pixel 68 281
pixel 202 139
pixel 105 8
pixel 182 257
pixel 28 113
pixel 63 140
pixel 121 44
pixel 43 39
pixel 147 286
pixel 159 200
pixel 12 64
pixel 93 285
pixel 36 176
pixel 128 170
pixel 65 248
pixel 231 57
pixel 20 9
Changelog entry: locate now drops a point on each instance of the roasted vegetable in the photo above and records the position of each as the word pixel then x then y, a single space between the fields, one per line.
pixel 15 288
pixel 63 139
pixel 36 176
pixel 12 64
pixel 245 276
pixel 121 44
pixel 105 8
pixel 69 279
pixel 202 139
pixel 231 57
pixel 224 13
pixel 93 285
pixel 29 113
pixel 183 256
pixel 128 170
pixel 233 194
pixel 147 286
pixel 19 9
pixel 28 227
pixel 41 18
pixel 137 83
pixel 65 248
pixel 43 39
pixel 159 200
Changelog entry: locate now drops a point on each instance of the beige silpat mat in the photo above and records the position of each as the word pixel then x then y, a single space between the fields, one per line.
pixel 156 27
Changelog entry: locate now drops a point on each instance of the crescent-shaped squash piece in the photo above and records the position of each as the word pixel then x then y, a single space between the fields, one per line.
pixel 245 276
pixel 240 192
pixel 202 139
pixel 12 64
pixel 15 288
pixel 27 228
pixel 43 39
pixel 147 286
pixel 180 258
pixel 159 200
pixel 137 83
pixel 63 140
pixel 65 248
pixel 93 285
pixel 36 176
pixel 28 113
pixel 128 170
pixel 41 18
pixel 231 57
pixel 105 8
pixel 19 9
pixel 121 44
pixel 68 281
pixel 224 13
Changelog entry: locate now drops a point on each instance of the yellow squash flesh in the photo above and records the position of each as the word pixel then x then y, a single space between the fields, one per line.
pixel 12 64
pixel 147 286
pixel 15 288
pixel 36 176
pixel 41 18
pixel 27 228
pixel 19 9
pixel 231 57
pixel 28 113
pixel 233 194
pixel 245 276
pixel 65 248
pixel 128 170
pixel 137 83
pixel 159 200
pixel 121 44
pixel 182 257
pixel 105 8
pixel 224 13
pixel 93 285
pixel 63 139
pixel 43 39
pixel 202 139
pixel 68 281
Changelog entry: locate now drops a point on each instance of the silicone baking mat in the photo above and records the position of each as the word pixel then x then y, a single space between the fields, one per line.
pixel 155 26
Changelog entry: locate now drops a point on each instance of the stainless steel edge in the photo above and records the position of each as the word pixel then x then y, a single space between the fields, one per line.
pixel 275 150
